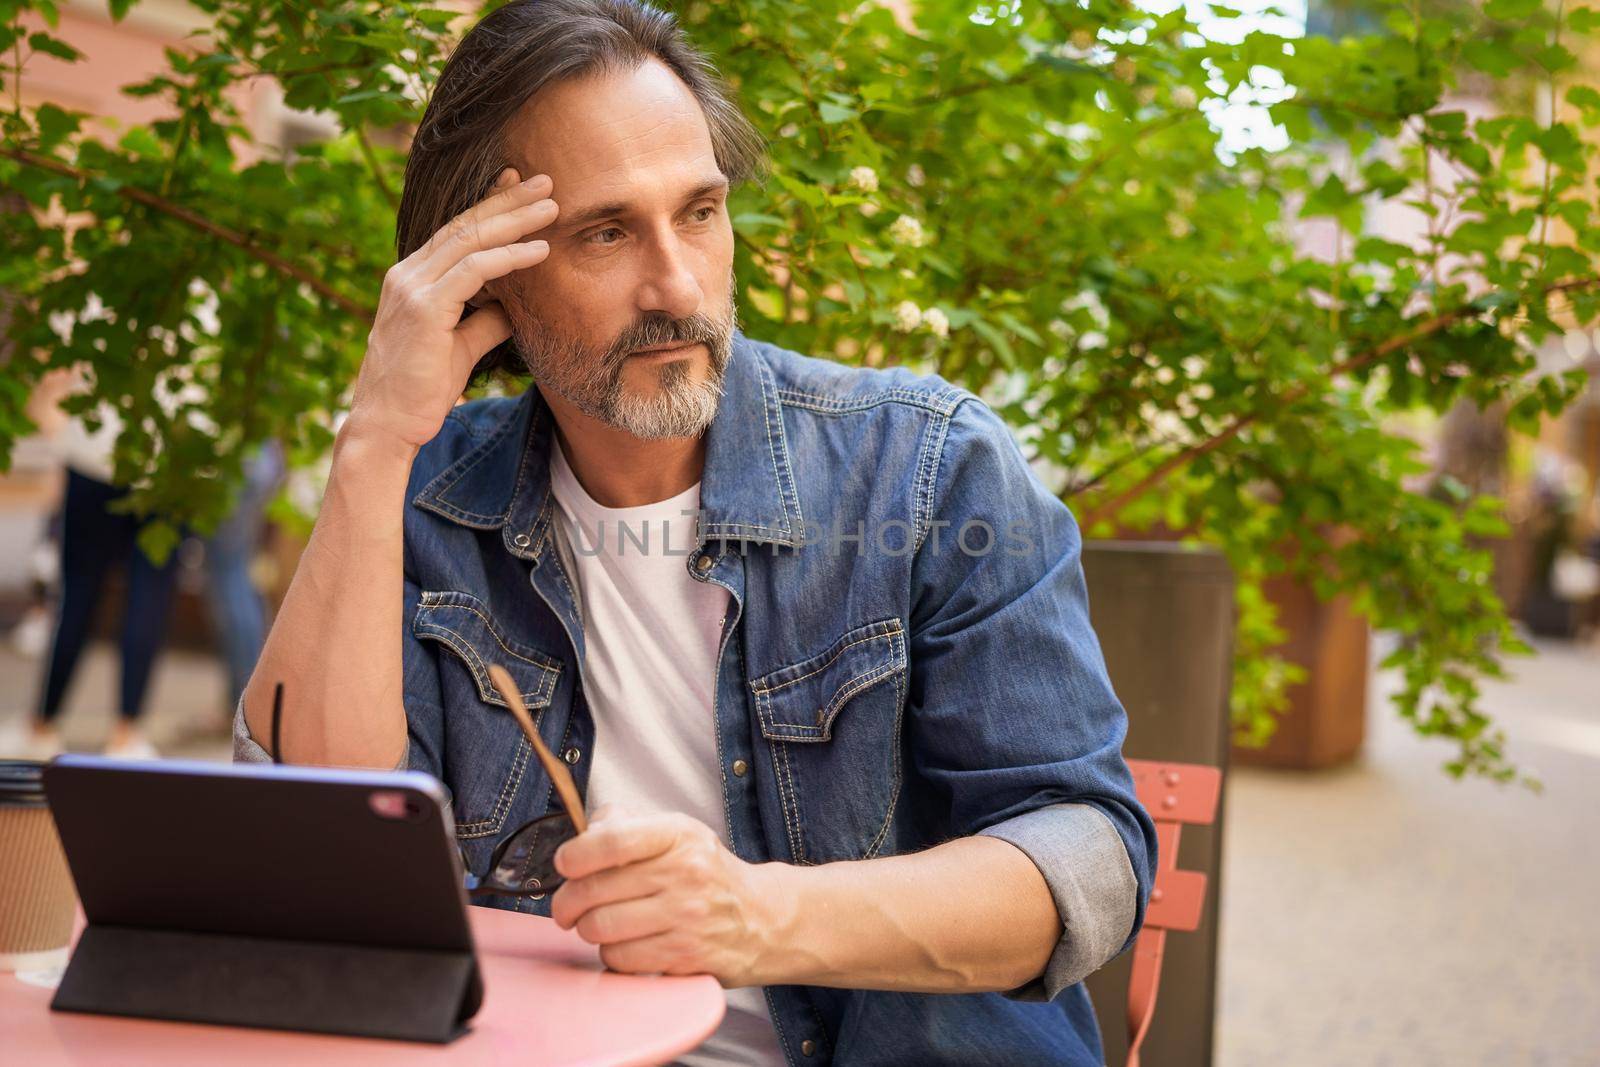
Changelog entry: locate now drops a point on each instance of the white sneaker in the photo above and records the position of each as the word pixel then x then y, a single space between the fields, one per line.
pixel 133 746
pixel 46 746
pixel 31 636
pixel 19 740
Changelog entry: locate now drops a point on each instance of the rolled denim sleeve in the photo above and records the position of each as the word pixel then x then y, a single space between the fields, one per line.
pixel 1084 863
pixel 1010 709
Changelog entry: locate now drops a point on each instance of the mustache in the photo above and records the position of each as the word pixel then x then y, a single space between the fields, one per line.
pixel 663 330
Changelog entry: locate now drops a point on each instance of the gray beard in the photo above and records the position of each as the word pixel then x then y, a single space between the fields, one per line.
pixel 590 379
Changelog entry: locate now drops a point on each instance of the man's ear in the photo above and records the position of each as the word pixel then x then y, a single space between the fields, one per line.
pixel 491 293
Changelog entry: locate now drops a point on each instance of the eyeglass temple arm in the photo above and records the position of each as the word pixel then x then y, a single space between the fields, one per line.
pixel 277 723
pixel 560 777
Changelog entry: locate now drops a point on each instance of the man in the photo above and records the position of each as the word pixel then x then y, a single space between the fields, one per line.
pixel 852 755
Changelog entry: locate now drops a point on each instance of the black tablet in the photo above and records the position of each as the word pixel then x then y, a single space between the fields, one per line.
pixel 301 898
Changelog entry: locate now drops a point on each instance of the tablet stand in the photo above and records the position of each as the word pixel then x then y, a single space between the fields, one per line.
pixel 323 987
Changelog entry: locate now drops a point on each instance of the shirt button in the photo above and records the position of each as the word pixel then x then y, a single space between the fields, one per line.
pixel 522 540
pixel 572 755
pixel 703 564
pixel 740 768
pixel 808 1047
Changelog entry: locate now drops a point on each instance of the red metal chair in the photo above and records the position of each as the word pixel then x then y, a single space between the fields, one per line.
pixel 1173 794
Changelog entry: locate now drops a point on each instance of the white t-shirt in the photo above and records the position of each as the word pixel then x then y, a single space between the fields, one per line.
pixel 651 637
pixel 90 453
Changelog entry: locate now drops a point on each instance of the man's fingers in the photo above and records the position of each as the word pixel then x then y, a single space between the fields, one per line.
pixel 578 896
pixel 446 246
pixel 481 331
pixel 506 228
pixel 614 843
pixel 662 953
pixel 626 920
pixel 462 281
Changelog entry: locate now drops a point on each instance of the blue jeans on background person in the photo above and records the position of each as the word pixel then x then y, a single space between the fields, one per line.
pixel 236 605
pixel 93 540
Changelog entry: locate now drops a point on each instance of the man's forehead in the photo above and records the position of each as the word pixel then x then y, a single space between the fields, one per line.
pixel 614 135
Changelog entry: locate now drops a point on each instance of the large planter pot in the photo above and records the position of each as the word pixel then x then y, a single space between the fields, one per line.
pixel 1326 721
pixel 1164 615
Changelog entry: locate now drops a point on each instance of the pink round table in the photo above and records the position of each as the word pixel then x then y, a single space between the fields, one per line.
pixel 548 1001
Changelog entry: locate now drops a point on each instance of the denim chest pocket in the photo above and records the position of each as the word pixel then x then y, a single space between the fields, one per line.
pixel 832 726
pixel 488 758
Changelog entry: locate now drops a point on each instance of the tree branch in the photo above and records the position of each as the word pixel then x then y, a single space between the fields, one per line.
pixel 376 167
pixel 939 96
pixel 205 225
pixel 1549 168
pixel 1325 104
pixel 1427 328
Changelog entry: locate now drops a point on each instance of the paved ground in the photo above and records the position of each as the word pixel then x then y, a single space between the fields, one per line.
pixel 1387 914
pixel 1378 914
pixel 186 709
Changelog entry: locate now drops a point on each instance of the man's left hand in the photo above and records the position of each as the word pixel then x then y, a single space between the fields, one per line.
pixel 660 894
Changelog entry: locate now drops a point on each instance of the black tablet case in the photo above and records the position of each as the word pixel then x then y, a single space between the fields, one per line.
pixel 264 897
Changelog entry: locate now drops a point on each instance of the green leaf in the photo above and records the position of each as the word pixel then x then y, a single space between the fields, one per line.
pixel 53 46
pixel 836 113
pixel 157 538
pixel 768 301
pixel 1560 145
pixel 141 141
pixel 1584 97
pixel 1490 55
pixel 436 18
pixel 753 220
pixel 1384 179
pixel 1329 198
pixel 997 340
pixel 55 125
pixel 1018 327
pixel 1379 250
pixel 1447 123
pixel 1584 19
pixel 1511 10
pixel 369 94
pixel 1553 58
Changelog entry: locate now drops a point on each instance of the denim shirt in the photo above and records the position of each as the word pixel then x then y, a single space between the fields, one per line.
pixel 890 676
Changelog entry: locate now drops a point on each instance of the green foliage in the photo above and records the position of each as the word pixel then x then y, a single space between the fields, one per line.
pixel 1028 198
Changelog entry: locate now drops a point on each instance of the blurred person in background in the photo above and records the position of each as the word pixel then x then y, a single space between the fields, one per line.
pixel 1562 579
pixel 237 607
pixel 30 637
pixel 95 538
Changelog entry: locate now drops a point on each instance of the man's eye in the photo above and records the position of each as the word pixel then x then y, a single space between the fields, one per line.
pixel 703 214
pixel 609 235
